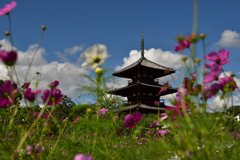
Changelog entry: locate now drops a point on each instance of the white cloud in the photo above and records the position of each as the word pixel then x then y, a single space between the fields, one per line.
pixel 74 49
pixel 61 56
pixel 165 58
pixel 66 73
pixel 229 39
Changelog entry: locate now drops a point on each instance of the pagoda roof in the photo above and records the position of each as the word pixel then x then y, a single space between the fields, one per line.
pixel 145 63
pixel 141 106
pixel 123 89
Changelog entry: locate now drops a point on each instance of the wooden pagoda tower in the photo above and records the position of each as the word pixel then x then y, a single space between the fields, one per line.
pixel 143 87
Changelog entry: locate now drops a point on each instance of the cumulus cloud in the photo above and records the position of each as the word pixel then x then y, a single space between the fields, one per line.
pixel 74 49
pixel 229 39
pixel 66 73
pixel 164 58
pixel 61 56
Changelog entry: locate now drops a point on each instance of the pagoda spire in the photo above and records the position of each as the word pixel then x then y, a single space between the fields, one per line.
pixel 142 45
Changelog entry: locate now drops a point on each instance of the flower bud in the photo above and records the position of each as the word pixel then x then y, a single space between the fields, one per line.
pixel 197 60
pixel 99 70
pixel 193 37
pixel 89 110
pixel 43 27
pixel 184 58
pixel 180 38
pixel 0 45
pixel 202 36
pixel 7 33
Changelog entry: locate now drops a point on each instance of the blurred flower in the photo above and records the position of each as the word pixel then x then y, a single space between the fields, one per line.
pixel 55 96
pixel 115 116
pixel 182 93
pixel 94 56
pixel 37 92
pixel 202 36
pixel 7 33
pixel 163 88
pixel 157 103
pixel 214 73
pixel 154 123
pixel 25 85
pixel 220 57
pixel 8 58
pixel 227 84
pixel 43 27
pixel 7 8
pixel 183 44
pixel 131 121
pixel 102 111
pixel 175 157
pixel 77 119
pixel 37 148
pixel 162 132
pixel 65 119
pixel 54 84
pixel 29 95
pixel 6 93
pixel 83 157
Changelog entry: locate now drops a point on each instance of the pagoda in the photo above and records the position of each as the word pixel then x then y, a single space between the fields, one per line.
pixel 142 89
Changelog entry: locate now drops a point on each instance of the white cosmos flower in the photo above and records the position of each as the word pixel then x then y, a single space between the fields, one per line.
pixel 94 56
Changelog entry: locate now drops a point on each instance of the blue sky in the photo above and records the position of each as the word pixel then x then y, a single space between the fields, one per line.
pixel 75 25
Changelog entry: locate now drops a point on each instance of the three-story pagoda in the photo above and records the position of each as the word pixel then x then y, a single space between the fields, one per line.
pixel 143 87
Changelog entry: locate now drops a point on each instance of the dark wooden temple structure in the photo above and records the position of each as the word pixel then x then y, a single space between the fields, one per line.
pixel 143 87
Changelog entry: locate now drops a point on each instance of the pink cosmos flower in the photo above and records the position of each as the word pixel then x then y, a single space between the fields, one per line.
pixel 220 57
pixel 163 89
pixel 214 73
pixel 37 92
pixel 25 85
pixel 102 111
pixel 157 103
pixel 83 157
pixel 55 96
pixel 179 109
pixel 54 84
pixel 227 84
pixel 65 119
pixel 162 132
pixel 131 121
pixel 6 92
pixel 8 58
pixel 183 44
pixel 29 95
pixel 7 8
pixel 154 123
pixel 211 91
pixel 77 119
pixel 164 116
pixel 43 116
pixel 181 92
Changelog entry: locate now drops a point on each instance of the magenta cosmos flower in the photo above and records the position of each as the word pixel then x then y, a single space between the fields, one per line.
pixel 102 111
pixel 220 57
pixel 8 58
pixel 131 121
pixel 54 84
pixel 29 95
pixel 83 157
pixel 162 132
pixel 227 84
pixel 25 85
pixel 214 73
pixel 163 88
pixel 6 92
pixel 183 44
pixel 7 8
pixel 55 96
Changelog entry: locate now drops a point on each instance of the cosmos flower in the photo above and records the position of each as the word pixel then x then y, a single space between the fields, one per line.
pixel 94 56
pixel 102 111
pixel 54 84
pixel 227 84
pixel 220 57
pixel 55 96
pixel 25 85
pixel 131 121
pixel 7 8
pixel 214 73
pixel 162 132
pixel 6 93
pixel 8 58
pixel 83 157
pixel 29 95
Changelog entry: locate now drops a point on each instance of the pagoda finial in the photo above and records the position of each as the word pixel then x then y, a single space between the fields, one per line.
pixel 142 45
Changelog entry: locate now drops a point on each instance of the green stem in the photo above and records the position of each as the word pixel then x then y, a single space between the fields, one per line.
pixel 25 79
pixel 9 19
